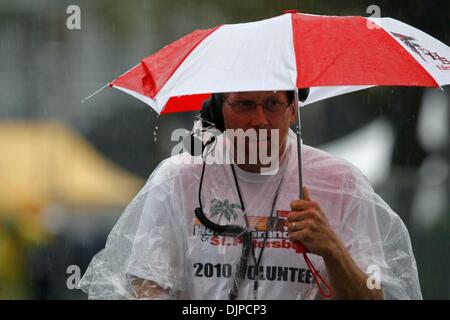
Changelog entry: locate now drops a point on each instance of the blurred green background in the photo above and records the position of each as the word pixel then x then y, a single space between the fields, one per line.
pixel 67 170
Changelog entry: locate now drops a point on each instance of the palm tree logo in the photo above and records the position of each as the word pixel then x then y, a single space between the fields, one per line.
pixel 224 208
pixel 408 41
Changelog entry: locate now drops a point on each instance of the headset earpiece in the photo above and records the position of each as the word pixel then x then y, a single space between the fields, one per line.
pixel 206 114
pixel 211 112
pixel 303 94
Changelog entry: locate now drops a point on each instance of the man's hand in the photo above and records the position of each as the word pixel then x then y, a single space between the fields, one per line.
pixel 308 224
pixel 145 289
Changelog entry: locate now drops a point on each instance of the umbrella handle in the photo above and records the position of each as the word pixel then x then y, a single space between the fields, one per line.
pixel 299 144
pixel 300 247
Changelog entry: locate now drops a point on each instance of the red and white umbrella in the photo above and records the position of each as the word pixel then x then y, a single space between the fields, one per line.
pixel 331 55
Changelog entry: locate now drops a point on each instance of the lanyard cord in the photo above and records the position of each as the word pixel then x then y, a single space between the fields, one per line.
pixel 230 231
pixel 266 234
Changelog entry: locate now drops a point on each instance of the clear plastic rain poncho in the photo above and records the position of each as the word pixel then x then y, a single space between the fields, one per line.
pixel 159 249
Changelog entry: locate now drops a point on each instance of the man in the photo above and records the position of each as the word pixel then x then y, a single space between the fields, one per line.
pixel 160 248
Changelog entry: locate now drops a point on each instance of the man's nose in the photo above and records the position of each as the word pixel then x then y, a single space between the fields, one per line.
pixel 259 118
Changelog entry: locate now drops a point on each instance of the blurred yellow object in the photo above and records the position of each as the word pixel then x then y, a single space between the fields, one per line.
pixel 12 264
pixel 43 163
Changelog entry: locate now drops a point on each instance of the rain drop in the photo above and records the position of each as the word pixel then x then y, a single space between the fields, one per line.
pixel 155 133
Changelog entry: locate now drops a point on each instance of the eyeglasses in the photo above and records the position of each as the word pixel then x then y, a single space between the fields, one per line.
pixel 270 105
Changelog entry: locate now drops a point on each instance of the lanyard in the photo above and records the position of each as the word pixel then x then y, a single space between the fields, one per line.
pixel 257 261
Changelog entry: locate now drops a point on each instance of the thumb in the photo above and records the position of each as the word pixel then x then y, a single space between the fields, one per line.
pixel 306 194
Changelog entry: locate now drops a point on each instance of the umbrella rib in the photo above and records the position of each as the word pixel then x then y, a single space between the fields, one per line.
pixel 93 94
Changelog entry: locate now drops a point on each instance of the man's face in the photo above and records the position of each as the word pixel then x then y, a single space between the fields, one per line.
pixel 259 117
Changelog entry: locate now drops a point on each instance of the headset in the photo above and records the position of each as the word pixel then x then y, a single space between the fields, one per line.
pixel 211 116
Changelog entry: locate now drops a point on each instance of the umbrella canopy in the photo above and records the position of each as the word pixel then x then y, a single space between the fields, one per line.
pixel 330 54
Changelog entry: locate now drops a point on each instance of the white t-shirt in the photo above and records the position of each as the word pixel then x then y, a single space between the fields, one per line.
pixel 158 237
